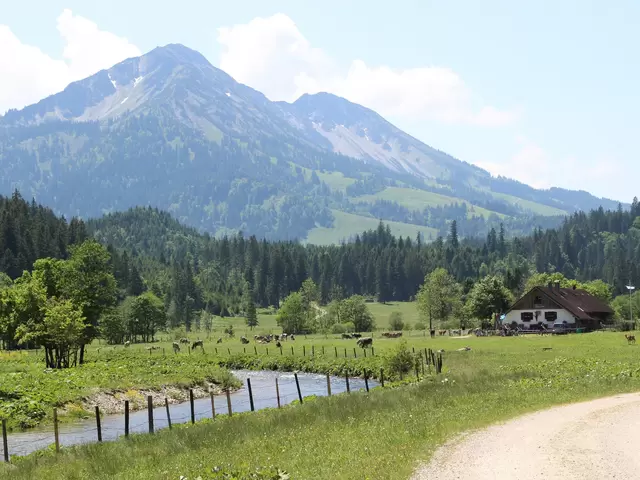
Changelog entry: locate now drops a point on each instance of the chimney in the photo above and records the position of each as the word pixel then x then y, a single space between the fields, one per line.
pixel 558 286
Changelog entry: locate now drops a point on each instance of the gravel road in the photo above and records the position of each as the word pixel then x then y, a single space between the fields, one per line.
pixel 597 440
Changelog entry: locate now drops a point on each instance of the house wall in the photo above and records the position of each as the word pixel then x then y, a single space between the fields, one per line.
pixel 515 316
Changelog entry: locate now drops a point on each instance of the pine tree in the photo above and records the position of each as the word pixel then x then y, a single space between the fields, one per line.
pixel 252 316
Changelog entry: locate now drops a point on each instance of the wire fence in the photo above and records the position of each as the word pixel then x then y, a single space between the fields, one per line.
pixel 261 390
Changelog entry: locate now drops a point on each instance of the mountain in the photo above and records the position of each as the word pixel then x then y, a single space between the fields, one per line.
pixel 169 130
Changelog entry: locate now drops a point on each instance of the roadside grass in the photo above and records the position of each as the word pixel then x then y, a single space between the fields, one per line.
pixel 383 434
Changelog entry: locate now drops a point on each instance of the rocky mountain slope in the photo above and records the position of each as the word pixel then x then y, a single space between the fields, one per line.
pixel 170 130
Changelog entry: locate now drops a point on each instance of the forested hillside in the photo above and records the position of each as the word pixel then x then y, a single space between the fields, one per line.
pixel 170 130
pixel 29 231
pixel 191 272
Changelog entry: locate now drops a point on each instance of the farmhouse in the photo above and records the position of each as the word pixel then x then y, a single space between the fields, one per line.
pixel 552 304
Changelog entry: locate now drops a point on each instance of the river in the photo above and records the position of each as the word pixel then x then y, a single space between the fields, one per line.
pixel 264 396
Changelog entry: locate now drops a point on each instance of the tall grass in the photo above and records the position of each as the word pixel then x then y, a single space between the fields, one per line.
pixel 383 434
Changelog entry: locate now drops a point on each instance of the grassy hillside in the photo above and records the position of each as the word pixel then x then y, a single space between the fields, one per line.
pixel 336 180
pixel 346 225
pixel 534 207
pixel 415 199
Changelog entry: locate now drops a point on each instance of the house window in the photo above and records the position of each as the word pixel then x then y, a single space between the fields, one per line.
pixel 526 316
pixel 537 302
pixel 550 316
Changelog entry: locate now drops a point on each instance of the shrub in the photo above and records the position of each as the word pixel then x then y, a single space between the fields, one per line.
pixel 396 322
pixel 338 328
pixel 400 360
pixel 421 326
pixel 349 326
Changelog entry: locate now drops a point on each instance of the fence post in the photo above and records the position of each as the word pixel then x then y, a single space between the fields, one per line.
pixel 291 350
pixel 328 385
pixel 346 376
pixel 229 402
pixel 280 350
pixel 354 353
pixel 313 350
pixel 244 349
pixel 216 350
pixel 366 381
pixel 415 367
pixel 56 433
pixel 126 418
pixel 228 350
pixel 373 352
pixel 298 387
pixel 166 406
pixel 336 350
pixel 189 347
pixel 304 351
pixel 382 377
pixel 98 423
pixel 267 348
pixel 277 392
pixel 345 352
pixel 250 395
pixel 255 349
pixel 322 349
pixel 193 411
pixel 5 446
pixel 365 352
pixel 213 406
pixel 150 410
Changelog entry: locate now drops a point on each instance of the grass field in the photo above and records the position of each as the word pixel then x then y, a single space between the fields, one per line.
pixel 537 208
pixel 336 180
pixel 346 225
pixel 415 199
pixel 383 434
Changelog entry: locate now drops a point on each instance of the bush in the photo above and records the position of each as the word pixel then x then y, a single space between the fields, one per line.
pixel 338 328
pixel 400 360
pixel 421 326
pixel 349 327
pixel 396 322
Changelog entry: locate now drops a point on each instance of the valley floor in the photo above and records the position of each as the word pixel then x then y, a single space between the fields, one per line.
pixel 387 433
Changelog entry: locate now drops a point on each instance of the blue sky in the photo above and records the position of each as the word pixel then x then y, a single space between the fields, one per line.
pixel 545 92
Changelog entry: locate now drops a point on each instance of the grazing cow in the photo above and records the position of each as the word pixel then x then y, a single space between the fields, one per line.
pixel 127 344
pixel 198 343
pixel 153 347
pixel 176 347
pixel 219 340
pixel 365 342
pixel 277 338
pixel 441 332
pixel 283 337
pixel 455 332
pixel 630 338
pixel 464 349
pixel 346 336
pixel 356 335
pixel 440 351
pixel 184 340
pixel 244 340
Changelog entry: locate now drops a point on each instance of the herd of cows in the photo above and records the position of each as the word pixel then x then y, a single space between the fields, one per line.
pixel 362 342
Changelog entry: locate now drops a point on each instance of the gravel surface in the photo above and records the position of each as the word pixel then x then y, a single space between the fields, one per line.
pixel 597 440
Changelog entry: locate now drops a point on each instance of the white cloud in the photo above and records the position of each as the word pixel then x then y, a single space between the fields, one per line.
pixel 273 56
pixel 533 165
pixel 27 74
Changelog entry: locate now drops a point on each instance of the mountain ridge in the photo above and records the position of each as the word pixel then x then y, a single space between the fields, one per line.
pixel 219 155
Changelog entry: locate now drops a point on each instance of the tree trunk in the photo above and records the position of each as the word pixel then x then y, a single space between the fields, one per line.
pixel 82 354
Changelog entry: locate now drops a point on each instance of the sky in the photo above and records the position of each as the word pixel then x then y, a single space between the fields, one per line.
pixel 542 91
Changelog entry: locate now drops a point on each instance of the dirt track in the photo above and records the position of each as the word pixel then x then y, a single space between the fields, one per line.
pixel 597 440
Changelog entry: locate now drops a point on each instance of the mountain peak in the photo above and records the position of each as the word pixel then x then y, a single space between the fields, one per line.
pixel 177 53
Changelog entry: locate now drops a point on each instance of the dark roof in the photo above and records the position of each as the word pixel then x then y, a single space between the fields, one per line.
pixel 580 303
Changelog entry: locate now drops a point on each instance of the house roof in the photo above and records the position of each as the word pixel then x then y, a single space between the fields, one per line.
pixel 580 303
